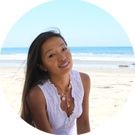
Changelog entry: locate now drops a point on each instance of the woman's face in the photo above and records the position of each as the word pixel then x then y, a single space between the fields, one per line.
pixel 56 57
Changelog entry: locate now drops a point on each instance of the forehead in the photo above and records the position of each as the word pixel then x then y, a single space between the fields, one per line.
pixel 53 43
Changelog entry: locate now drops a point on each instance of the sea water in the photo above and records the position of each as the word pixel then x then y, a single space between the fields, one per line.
pixel 82 56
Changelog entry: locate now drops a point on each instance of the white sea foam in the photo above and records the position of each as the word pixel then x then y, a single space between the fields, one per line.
pixel 122 58
pixel 88 60
pixel 13 56
pixel 80 56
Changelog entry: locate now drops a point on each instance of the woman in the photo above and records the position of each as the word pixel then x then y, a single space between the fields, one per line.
pixel 55 98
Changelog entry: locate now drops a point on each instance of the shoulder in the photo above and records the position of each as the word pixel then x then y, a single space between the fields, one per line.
pixel 84 76
pixel 36 97
pixel 35 93
pixel 85 81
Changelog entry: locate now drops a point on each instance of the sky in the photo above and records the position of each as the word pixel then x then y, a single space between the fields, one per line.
pixel 81 24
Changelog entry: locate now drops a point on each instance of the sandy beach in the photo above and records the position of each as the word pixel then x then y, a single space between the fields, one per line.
pixel 109 90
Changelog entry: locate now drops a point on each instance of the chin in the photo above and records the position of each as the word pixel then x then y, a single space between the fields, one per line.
pixel 66 70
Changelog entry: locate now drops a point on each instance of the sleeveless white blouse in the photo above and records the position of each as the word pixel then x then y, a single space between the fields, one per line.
pixel 60 122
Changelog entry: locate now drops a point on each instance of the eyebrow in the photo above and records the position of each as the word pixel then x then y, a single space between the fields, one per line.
pixel 52 49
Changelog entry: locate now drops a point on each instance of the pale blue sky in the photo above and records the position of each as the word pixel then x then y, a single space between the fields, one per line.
pixel 81 23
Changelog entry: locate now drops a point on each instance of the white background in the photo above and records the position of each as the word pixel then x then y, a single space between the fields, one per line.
pixel 123 11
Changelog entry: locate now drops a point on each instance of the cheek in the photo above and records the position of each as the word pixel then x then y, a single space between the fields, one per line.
pixel 45 63
pixel 49 64
pixel 69 55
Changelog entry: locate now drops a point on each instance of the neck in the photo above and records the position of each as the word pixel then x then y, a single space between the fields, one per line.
pixel 61 82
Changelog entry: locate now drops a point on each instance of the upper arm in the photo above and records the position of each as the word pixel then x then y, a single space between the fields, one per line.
pixel 83 124
pixel 37 105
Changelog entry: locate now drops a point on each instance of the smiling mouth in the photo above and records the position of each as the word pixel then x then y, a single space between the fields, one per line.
pixel 65 64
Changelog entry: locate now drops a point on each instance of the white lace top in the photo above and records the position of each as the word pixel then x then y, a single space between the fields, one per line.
pixel 60 122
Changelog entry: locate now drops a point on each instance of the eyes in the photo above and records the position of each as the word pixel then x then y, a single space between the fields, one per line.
pixel 64 49
pixel 53 54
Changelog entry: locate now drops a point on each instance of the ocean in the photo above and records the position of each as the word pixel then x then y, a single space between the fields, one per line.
pixel 82 56
pixel 79 50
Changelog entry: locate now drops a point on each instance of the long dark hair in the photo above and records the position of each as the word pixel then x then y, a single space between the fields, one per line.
pixel 34 74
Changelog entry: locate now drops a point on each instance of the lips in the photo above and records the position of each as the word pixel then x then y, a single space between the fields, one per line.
pixel 64 64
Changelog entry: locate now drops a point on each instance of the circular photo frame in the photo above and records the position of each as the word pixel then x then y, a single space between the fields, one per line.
pixel 99 45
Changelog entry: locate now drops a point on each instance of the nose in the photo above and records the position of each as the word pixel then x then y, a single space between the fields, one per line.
pixel 61 57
